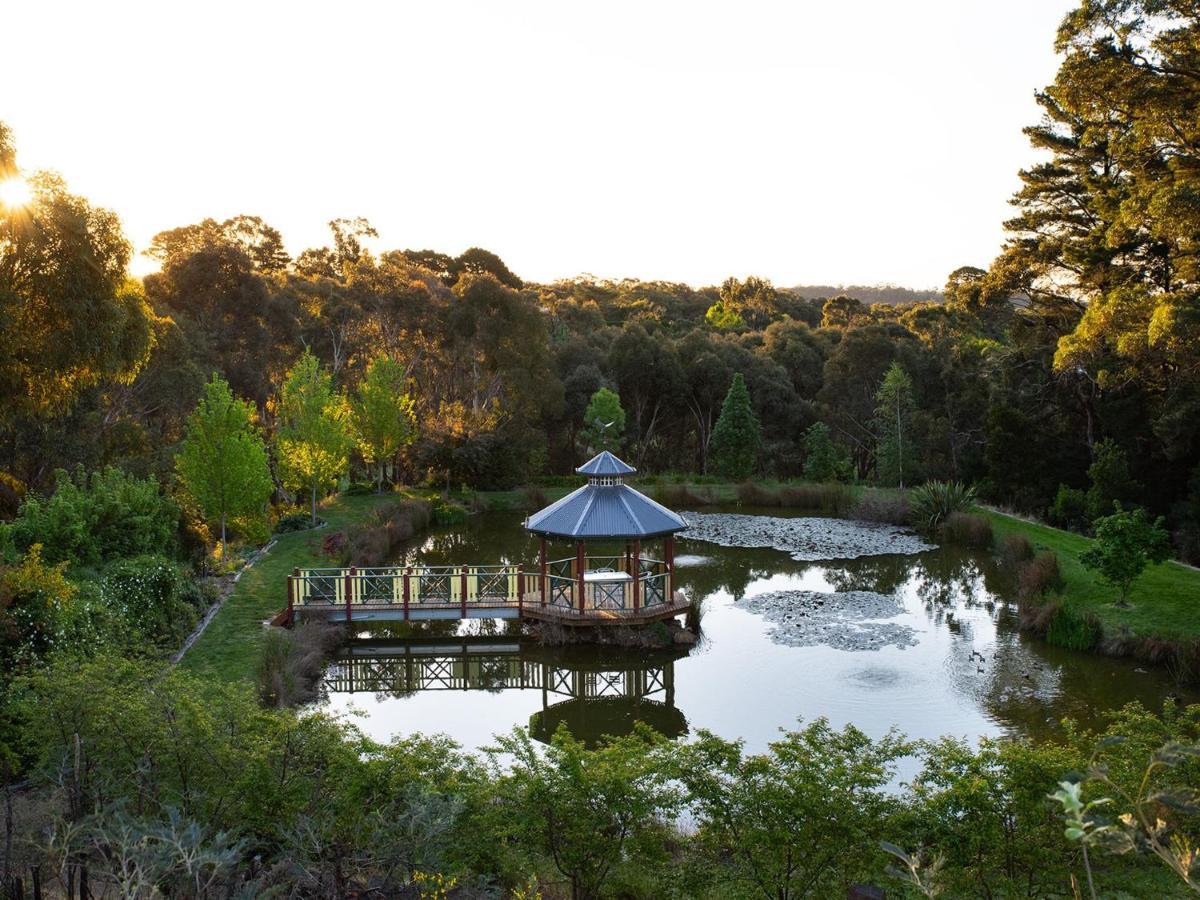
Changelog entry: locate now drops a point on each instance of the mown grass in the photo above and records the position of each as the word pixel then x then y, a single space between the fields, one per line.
pixel 231 646
pixel 1164 603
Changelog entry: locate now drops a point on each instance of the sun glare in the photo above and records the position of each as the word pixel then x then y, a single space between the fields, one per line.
pixel 14 192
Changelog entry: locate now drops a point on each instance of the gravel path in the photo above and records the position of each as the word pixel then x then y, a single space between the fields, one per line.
pixel 844 621
pixel 807 539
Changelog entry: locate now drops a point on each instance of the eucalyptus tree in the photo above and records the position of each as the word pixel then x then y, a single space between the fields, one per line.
pixel 382 414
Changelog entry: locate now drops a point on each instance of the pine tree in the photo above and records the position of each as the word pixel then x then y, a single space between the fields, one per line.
pixel 737 436
pixel 223 464
pixel 381 414
pixel 893 414
pixel 313 444
pixel 603 422
pixel 822 460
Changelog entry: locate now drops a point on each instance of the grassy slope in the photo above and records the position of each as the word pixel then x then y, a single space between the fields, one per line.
pixel 1165 601
pixel 228 649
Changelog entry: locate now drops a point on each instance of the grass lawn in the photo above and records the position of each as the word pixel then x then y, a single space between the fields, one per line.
pixel 1164 602
pixel 228 649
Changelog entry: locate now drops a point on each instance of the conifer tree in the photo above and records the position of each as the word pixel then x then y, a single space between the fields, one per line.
pixel 893 414
pixel 603 422
pixel 737 436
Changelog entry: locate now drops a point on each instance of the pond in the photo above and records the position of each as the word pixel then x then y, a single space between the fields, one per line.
pixel 947 661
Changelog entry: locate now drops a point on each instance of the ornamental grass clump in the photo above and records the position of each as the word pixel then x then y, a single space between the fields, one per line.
pixel 967 530
pixel 935 501
pixel 883 507
pixel 1013 550
pixel 1038 577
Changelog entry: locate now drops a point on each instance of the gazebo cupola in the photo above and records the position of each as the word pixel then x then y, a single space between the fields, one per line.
pixel 607 510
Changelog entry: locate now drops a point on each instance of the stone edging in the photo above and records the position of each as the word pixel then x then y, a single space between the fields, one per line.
pixel 211 612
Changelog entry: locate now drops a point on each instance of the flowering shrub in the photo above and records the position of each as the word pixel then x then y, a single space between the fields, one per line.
pixel 147 593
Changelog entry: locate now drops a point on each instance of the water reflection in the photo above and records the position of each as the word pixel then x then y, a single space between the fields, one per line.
pixel 970 673
pixel 594 691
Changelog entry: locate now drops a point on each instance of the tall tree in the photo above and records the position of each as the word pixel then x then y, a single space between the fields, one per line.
pixel 893 423
pixel 313 442
pixel 222 464
pixel 69 317
pixel 382 414
pixel 737 437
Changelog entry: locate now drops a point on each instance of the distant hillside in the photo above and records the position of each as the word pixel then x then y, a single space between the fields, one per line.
pixel 877 293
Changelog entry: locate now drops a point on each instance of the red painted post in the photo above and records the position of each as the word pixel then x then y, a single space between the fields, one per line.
pixel 407 576
pixel 637 575
pixel 463 599
pixel 669 553
pixel 627 557
pixel 349 590
pixel 542 562
pixel 580 566
pixel 520 589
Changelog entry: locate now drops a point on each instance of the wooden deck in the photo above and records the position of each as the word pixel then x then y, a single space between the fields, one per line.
pixel 529 608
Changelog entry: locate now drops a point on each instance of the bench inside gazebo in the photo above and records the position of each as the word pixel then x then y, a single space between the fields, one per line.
pixel 619 581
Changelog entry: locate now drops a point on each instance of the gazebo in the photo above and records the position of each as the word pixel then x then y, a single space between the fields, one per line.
pixel 612 588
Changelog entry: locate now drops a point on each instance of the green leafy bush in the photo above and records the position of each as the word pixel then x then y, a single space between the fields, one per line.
pixel 1070 508
pixel 294 522
pixel 150 594
pixel 935 501
pixel 1126 542
pixel 92 519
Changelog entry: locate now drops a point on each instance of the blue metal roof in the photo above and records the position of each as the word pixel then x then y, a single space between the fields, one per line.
pixel 597 511
pixel 604 463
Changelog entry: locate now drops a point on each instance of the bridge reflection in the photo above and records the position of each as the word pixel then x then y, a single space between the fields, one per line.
pixel 594 691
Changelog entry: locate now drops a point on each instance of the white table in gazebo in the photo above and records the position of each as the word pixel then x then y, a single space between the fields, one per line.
pixel 608 588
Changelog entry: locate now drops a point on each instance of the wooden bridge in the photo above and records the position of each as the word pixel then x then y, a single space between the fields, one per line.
pixel 578 590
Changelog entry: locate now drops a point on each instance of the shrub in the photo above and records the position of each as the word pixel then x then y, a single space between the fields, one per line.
pixel 369 547
pixel 1014 549
pixel 535 497
pixel 359 489
pixel 294 522
pixel 446 512
pixel 1039 576
pixel 935 501
pixel 832 498
pixel 967 530
pixel 751 493
pixel 293 661
pixel 879 506
pixel 92 519
pixel 678 496
pixel 147 592
pixel 335 546
pixel 1069 509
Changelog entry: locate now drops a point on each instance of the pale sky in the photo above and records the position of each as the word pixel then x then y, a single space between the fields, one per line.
pixel 866 142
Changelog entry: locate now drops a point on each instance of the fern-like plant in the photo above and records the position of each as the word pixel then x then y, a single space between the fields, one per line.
pixel 935 501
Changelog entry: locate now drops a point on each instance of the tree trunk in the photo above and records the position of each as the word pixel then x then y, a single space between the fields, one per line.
pixel 379 480
pixel 314 505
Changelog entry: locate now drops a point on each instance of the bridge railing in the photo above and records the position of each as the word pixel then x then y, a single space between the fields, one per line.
pixel 490 586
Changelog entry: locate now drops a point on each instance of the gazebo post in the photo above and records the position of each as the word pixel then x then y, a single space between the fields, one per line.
pixel 669 553
pixel 542 565
pixel 637 571
pixel 628 558
pixel 580 565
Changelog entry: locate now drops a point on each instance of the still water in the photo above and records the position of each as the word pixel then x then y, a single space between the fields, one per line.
pixel 969 673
